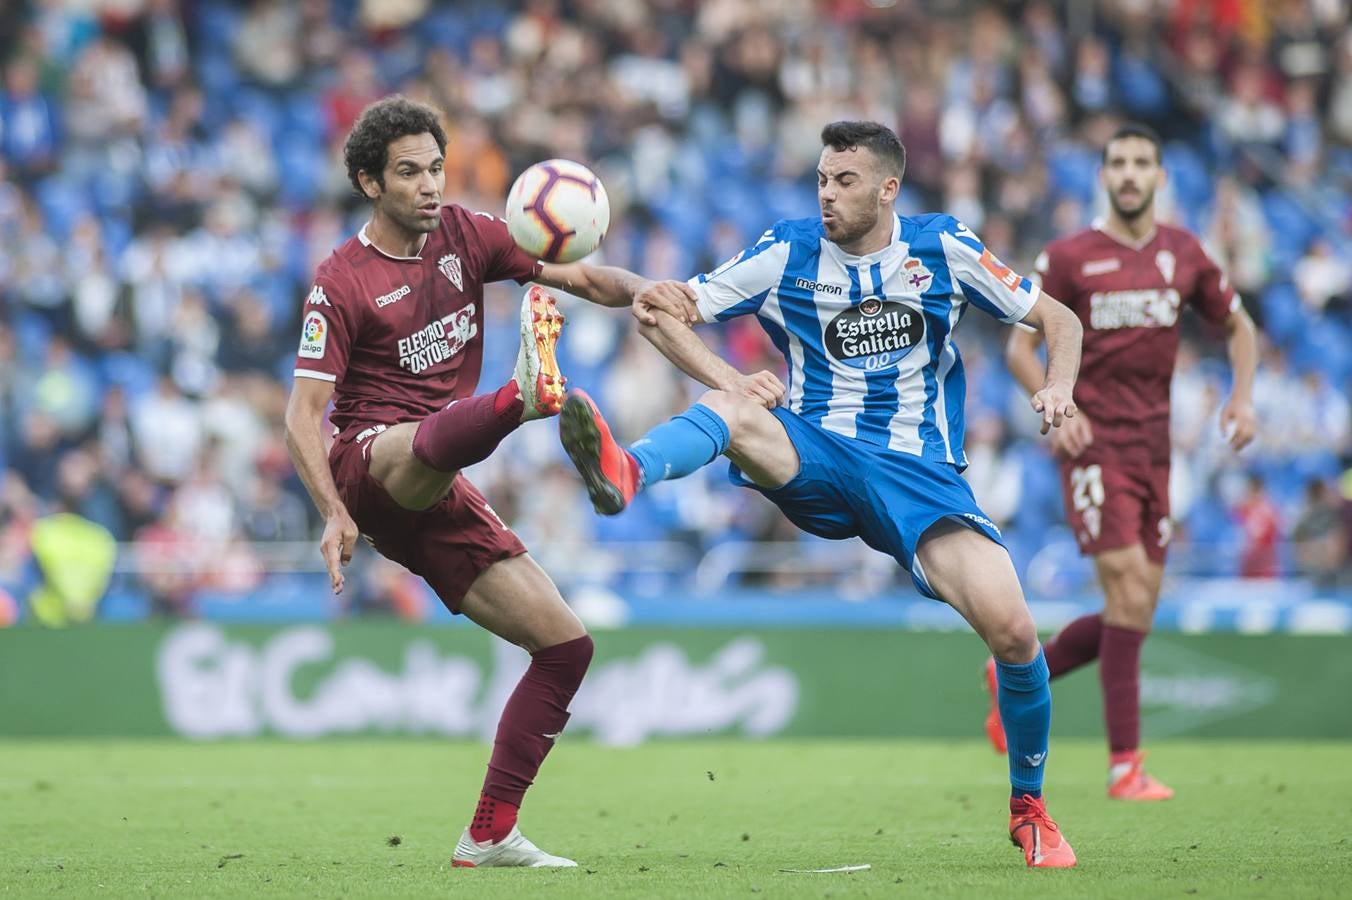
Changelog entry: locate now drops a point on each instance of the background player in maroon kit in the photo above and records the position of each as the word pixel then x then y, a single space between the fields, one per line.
pixel 1128 279
pixel 392 333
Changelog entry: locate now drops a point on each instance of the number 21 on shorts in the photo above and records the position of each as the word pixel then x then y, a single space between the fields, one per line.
pixel 1086 495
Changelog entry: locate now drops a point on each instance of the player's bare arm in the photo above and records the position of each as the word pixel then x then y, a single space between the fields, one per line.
pixel 305 441
pixel 1075 434
pixel 678 343
pixel 615 287
pixel 1239 423
pixel 1063 333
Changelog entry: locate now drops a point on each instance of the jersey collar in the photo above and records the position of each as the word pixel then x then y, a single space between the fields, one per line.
pixel 1138 246
pixel 366 242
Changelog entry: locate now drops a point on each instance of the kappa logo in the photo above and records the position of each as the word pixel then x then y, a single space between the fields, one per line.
pixel 393 296
pixel 450 267
pixel 1100 267
pixel 317 297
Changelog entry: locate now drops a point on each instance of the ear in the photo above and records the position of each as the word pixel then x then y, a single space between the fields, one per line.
pixel 369 185
pixel 890 188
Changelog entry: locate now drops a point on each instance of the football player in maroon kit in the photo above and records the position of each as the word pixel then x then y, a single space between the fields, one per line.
pixel 1127 279
pixel 393 334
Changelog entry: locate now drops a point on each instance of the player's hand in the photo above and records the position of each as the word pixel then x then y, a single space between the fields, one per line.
pixel 675 298
pixel 764 387
pixel 1054 402
pixel 340 538
pixel 1073 437
pixel 1239 423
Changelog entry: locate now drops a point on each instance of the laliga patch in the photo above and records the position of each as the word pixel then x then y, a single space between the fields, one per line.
pixel 1007 276
pixel 915 276
pixel 875 335
pixel 314 334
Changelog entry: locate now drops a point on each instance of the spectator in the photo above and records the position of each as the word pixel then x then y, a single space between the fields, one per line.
pixel 1320 536
pixel 1258 517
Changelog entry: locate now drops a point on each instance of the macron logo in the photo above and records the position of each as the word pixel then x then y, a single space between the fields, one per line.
pixel 1035 760
pixel 393 296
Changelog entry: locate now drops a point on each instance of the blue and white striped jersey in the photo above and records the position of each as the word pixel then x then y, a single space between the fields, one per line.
pixel 868 339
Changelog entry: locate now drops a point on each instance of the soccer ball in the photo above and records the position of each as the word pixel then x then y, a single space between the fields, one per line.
pixel 558 211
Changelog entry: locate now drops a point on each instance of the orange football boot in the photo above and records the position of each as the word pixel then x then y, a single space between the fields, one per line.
pixel 1031 828
pixel 537 367
pixel 995 729
pixel 1135 784
pixel 609 471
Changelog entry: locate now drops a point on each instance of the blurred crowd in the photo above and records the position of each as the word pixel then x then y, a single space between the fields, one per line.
pixel 172 175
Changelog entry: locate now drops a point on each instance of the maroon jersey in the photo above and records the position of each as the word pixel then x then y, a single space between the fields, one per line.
pixel 403 336
pixel 1128 299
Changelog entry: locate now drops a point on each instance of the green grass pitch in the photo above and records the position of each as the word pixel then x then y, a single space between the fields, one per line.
pixel 681 819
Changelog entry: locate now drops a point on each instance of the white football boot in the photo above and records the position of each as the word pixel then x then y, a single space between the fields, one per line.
pixel 537 368
pixel 513 850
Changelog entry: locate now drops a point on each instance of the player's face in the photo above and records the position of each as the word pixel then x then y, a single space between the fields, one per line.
pixel 414 182
pixel 1131 172
pixel 849 192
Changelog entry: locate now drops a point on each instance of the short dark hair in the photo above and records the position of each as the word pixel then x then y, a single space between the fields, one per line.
pixel 367 147
pixel 879 139
pixel 1135 130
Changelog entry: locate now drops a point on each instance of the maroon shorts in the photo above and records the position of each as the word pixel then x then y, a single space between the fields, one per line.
pixel 1112 504
pixel 448 544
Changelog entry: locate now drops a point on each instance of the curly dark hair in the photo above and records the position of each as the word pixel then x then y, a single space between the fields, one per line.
pixel 881 140
pixel 367 147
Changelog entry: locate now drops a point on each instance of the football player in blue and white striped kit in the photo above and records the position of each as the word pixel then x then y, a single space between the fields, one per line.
pixel 867 439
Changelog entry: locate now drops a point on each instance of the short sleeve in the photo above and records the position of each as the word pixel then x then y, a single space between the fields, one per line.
pixel 982 279
pixel 504 259
pixel 327 331
pixel 739 286
pixel 1212 293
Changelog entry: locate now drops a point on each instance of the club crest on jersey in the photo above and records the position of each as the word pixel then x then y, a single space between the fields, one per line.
pixel 1165 262
pixel 314 334
pixel 450 267
pixel 875 335
pixel 915 276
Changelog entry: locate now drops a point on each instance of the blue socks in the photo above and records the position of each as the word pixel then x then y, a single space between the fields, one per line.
pixel 1025 701
pixel 680 445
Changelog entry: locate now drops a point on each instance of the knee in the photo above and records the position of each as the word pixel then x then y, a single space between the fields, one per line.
pixel 1014 639
pixel 731 408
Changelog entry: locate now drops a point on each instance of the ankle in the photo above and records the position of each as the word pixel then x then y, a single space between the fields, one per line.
pixel 493 819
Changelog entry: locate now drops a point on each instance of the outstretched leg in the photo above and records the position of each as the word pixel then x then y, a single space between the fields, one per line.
pixel 416 462
pixel 975 576
pixel 719 424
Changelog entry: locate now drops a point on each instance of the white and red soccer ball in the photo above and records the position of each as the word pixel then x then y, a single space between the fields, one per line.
pixel 558 211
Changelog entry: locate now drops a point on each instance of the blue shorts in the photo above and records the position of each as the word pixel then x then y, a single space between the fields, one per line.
pixel 849 488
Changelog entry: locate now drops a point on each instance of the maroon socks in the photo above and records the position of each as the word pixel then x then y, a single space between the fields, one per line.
pixel 1120 676
pixel 467 431
pixel 534 716
pixel 1074 645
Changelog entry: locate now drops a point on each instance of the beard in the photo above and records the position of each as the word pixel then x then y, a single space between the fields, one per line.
pixel 1130 215
pixel 849 231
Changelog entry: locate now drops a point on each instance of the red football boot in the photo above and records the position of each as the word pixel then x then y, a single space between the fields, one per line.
pixel 1135 784
pixel 1032 829
pixel 609 471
